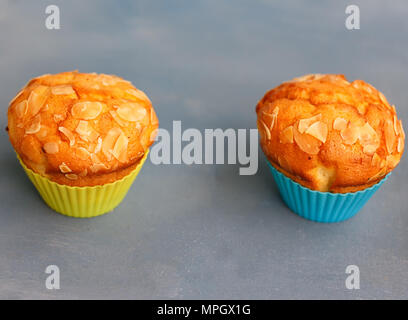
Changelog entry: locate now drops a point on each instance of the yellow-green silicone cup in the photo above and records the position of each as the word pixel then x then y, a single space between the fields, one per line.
pixel 82 202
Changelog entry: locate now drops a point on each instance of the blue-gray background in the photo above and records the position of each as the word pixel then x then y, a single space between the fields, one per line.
pixel 203 231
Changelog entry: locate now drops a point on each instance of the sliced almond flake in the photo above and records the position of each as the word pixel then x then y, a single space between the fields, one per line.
pixel 369 149
pixel 138 126
pixel 16 97
pixel 265 129
pixel 305 142
pixel 98 145
pixel 356 84
pixel 97 167
pixel 367 135
pixel 85 130
pixel 392 161
pixel 383 98
pixel 318 76
pixel 369 88
pixel 275 112
pixel 318 130
pixel 120 149
pixel 108 80
pixel 109 142
pixel 43 133
pixel 64 168
pixel 83 173
pixel 395 125
pixel 63 90
pixel 95 158
pixel 286 135
pixel 343 81
pixel 82 153
pixel 131 111
pixel 59 117
pixel 272 123
pixel 400 145
pixel 51 147
pixel 115 116
pixel 35 125
pixel 94 86
pixel 339 124
pixel 361 107
pixel 390 137
pixel 272 116
pixel 375 160
pixel 359 84
pixel 402 133
pixel 68 134
pixel 107 83
pixel 268 115
pixel 350 134
pixel 379 174
pixel 303 78
pixel 138 94
pixel 305 123
pixel 93 135
pixel 21 108
pixel 71 176
pixel 86 110
pixel 336 77
pixel 37 99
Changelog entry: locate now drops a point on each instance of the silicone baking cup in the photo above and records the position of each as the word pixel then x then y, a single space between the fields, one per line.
pixel 321 206
pixel 82 202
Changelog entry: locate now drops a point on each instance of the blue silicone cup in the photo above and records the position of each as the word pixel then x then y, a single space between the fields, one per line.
pixel 321 206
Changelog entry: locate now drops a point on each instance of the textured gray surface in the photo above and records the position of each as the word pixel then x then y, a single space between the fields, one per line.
pixel 202 231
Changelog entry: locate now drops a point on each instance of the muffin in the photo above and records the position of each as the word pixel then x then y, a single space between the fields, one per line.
pixel 82 138
pixel 329 143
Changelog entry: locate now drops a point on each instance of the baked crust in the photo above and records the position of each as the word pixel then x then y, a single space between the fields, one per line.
pixel 81 129
pixel 329 134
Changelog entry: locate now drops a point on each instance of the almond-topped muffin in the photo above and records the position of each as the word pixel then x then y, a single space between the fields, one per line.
pixel 329 134
pixel 81 129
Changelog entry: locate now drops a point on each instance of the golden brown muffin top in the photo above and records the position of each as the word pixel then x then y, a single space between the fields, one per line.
pixel 72 126
pixel 329 134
